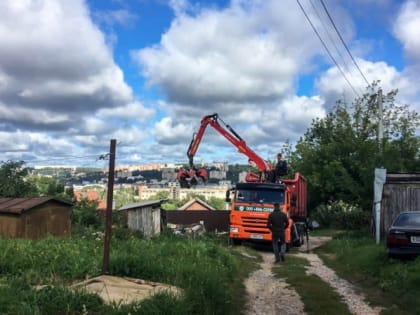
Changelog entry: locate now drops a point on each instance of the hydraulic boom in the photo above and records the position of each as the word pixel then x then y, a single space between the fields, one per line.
pixel 187 178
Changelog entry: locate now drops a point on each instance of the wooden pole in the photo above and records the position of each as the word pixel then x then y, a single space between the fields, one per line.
pixel 109 201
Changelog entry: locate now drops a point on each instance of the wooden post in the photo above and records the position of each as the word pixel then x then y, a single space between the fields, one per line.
pixel 109 201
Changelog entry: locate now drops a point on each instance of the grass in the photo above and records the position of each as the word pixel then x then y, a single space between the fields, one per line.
pixel 210 274
pixel 390 283
pixel 249 261
pixel 317 296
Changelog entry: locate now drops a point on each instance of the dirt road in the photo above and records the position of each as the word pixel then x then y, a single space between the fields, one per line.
pixel 272 296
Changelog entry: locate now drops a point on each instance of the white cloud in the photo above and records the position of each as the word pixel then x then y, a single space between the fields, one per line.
pixel 407 28
pixel 59 84
pixel 116 17
pixel 53 57
pixel 240 54
pixel 166 132
pixel 130 111
pixel 333 86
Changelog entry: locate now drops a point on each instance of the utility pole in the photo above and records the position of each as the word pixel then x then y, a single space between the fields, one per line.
pixel 380 124
pixel 380 173
pixel 109 202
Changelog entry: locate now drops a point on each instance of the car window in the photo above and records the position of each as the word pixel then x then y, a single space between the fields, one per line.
pixel 408 219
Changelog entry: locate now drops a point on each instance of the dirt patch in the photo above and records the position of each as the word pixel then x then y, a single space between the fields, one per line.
pixel 124 290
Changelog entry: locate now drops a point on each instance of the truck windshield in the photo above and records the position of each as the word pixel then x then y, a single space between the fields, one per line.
pixel 260 196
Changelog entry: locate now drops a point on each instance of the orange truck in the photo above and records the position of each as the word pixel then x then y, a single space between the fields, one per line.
pixel 251 202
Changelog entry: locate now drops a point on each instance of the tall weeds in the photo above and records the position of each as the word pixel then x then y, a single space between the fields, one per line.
pixel 202 268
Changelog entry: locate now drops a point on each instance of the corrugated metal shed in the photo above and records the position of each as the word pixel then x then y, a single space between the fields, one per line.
pixel 144 217
pixel 34 217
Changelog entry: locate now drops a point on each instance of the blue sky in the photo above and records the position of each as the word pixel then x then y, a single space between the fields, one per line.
pixel 75 74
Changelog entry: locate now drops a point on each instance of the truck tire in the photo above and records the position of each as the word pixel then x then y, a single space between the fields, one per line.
pixel 236 241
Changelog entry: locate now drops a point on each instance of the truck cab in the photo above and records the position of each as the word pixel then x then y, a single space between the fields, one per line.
pixel 251 204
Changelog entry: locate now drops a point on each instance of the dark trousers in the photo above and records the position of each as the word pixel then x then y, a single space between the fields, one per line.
pixel 276 239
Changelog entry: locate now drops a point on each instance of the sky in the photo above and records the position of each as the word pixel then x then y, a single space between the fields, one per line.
pixel 76 74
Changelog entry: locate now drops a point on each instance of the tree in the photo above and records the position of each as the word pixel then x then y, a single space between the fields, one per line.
pixel 47 186
pixel 161 195
pixel 216 203
pixel 13 180
pixel 84 213
pixel 338 153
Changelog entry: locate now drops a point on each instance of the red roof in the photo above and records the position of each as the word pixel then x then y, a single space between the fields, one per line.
pixel 91 195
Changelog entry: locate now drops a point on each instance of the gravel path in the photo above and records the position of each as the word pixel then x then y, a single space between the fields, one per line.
pixel 268 295
pixel 353 299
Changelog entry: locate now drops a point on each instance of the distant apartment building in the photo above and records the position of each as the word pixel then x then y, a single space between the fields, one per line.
pixel 169 174
pixel 124 172
pixel 145 167
pixel 218 191
pixel 217 174
pixel 175 192
pixel 222 166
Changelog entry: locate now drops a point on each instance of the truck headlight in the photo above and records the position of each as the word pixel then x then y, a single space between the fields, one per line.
pixel 234 229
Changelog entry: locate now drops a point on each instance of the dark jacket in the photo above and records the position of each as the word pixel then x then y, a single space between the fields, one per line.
pixel 277 222
pixel 281 168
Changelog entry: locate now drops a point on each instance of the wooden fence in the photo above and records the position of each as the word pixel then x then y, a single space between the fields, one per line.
pixel 401 192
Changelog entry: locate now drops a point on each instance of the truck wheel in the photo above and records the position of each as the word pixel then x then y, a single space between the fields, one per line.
pixel 236 241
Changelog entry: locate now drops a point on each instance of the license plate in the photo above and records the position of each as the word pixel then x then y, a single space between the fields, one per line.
pixel 415 239
pixel 256 237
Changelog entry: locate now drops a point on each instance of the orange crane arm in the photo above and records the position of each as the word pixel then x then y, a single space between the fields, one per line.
pixel 230 134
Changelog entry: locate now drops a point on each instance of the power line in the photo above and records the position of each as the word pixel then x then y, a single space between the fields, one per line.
pixel 64 158
pixel 347 68
pixel 326 48
pixel 344 43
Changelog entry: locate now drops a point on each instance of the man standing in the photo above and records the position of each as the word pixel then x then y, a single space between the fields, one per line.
pixel 281 167
pixel 277 223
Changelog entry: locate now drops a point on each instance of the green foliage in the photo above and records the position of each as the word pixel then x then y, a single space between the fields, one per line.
pixel 317 296
pixel 47 186
pixel 203 269
pixel 85 213
pixel 123 196
pixel 50 259
pixel 340 215
pixel 160 195
pixel 13 181
pixel 392 283
pixel 216 203
pixel 160 303
pixel 59 300
pixel 339 152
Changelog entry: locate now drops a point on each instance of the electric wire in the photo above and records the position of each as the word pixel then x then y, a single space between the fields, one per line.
pixel 342 40
pixel 328 51
pixel 347 68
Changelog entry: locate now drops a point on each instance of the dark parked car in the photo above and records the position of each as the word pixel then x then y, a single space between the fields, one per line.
pixel 403 238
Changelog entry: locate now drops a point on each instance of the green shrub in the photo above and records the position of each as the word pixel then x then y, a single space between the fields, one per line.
pixel 341 215
pixel 395 282
pixel 202 268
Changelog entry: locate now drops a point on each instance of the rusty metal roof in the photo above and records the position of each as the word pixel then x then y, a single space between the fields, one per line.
pixel 142 204
pixel 19 205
